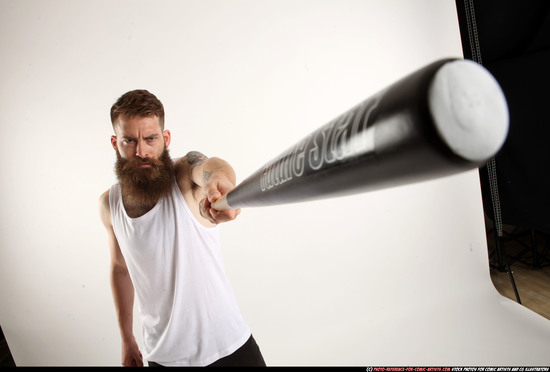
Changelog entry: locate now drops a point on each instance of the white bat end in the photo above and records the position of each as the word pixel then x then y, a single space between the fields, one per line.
pixel 469 109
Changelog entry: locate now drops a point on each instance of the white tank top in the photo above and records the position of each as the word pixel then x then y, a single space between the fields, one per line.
pixel 188 310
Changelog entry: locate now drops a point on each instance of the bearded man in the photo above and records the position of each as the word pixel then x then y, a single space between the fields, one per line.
pixel 164 245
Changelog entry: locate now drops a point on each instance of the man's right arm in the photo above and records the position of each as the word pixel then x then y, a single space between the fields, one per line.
pixel 122 288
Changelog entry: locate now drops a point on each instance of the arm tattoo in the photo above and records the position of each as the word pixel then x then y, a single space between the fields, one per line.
pixel 195 158
pixel 206 176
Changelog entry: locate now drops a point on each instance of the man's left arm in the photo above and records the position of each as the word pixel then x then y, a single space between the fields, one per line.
pixel 216 178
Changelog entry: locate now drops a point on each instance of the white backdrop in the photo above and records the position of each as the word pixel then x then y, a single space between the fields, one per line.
pixel 393 277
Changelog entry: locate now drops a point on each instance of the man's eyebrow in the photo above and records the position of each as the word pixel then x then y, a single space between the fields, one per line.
pixel 155 135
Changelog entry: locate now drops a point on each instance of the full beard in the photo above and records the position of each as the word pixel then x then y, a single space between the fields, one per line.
pixel 144 187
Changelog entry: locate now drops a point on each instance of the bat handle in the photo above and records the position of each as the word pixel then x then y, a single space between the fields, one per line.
pixel 221 204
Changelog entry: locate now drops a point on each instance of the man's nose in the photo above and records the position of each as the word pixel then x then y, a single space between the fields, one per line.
pixel 141 150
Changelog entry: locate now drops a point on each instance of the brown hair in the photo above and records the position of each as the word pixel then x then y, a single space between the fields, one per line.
pixel 138 103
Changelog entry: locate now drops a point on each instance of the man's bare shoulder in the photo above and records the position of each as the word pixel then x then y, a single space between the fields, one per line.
pixel 194 158
pixel 104 209
pixel 104 199
pixel 191 160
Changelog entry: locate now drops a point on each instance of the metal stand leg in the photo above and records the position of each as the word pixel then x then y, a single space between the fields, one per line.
pixel 500 248
pixel 491 165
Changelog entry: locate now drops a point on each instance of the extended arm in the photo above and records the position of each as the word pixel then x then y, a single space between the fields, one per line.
pixel 122 289
pixel 216 178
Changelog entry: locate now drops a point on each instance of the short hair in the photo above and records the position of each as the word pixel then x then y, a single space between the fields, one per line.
pixel 138 103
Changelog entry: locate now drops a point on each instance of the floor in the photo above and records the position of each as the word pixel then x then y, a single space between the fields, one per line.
pixel 530 274
pixel 530 268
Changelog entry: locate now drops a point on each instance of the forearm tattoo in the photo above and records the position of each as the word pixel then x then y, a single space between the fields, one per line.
pixel 206 176
pixel 195 158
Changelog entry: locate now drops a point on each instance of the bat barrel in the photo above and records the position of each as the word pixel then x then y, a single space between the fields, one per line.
pixel 448 117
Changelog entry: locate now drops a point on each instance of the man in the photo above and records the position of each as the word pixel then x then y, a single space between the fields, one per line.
pixel 165 249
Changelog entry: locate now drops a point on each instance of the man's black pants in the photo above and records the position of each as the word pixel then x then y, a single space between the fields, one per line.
pixel 248 355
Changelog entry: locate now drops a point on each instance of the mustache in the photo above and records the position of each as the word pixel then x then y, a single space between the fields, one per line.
pixel 137 162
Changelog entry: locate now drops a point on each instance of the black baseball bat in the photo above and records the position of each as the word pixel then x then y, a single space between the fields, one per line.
pixel 447 117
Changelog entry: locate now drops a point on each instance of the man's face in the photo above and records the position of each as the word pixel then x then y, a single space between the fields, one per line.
pixel 139 138
pixel 143 167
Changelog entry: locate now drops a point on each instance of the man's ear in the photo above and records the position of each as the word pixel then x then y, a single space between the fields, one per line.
pixel 114 142
pixel 167 137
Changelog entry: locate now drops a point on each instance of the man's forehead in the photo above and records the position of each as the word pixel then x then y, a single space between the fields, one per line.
pixel 144 125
